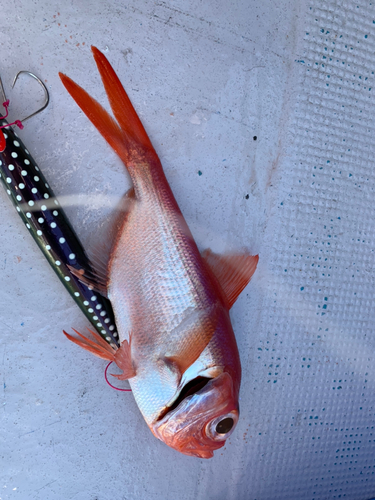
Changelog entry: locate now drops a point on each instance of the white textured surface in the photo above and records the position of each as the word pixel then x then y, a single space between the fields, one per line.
pixel 206 77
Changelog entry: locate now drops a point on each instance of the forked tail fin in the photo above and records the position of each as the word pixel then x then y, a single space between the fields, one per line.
pixel 127 137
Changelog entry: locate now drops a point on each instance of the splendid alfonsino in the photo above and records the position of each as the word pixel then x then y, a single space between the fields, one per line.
pixel 171 303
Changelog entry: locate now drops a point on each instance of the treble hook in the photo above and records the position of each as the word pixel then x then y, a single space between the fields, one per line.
pixel 46 94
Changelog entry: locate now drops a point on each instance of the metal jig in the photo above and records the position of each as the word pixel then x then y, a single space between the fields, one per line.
pixel 47 222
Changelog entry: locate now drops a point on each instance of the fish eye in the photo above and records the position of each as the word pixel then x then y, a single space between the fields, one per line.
pixel 225 425
pixel 220 428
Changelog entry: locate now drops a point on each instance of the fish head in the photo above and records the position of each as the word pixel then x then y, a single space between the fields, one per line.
pixel 202 421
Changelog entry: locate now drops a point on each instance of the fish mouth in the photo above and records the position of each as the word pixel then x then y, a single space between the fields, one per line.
pixel 186 424
pixel 192 387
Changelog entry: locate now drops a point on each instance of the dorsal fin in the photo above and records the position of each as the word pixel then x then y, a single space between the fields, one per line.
pixel 233 272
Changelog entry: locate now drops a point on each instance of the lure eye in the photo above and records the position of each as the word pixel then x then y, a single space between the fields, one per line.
pixel 222 427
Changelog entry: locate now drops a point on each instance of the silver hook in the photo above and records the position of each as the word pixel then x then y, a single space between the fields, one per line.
pixel 46 95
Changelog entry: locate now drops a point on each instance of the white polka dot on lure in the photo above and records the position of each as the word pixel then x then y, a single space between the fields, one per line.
pixel 72 256
pixel 53 225
pixel 36 178
pixel 66 278
pixel 103 313
pixel 26 151
pixel 55 212
pixel 31 203
pixel 36 168
pixel 14 155
pixel 95 318
pixel 9 180
pixel 62 240
pixel 76 294
pixel 19 198
pixel 16 143
pixel 28 226
pixel 21 185
pixel 98 324
pixel 90 310
pixel 39 232
pixel 43 207
pixel 106 320
pixel 47 186
pixel 48 247
pixel 34 190
pixel 46 195
pixel 56 202
pixel 40 220
pixel 107 338
pixel 93 298
pixel 86 303
pixel 99 306
pixel 58 263
pixel 111 327
pixel 11 167
pixel 17 208
pixel 26 162
pixel 23 172
pixel 28 214
pixel 115 334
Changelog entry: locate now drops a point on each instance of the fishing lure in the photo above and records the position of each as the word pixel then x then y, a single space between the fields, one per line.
pixel 47 222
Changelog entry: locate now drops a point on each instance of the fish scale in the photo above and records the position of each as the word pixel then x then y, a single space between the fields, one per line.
pixel 48 224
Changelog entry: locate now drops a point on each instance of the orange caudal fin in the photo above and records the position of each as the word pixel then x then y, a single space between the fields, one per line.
pixel 127 137
pixel 100 348
pixel 99 117
pixel 120 103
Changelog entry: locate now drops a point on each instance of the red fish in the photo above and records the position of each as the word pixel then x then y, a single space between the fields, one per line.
pixel 171 302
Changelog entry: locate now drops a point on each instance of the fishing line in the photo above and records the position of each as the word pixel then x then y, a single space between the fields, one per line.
pixel 109 383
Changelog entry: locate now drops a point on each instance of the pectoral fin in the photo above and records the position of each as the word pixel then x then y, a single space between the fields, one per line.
pixel 233 272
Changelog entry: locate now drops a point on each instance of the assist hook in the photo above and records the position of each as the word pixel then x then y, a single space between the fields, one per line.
pixel 6 105
pixel 46 94
pixel 6 101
